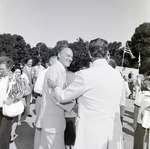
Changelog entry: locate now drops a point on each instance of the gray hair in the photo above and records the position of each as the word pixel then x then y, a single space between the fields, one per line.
pixel 7 61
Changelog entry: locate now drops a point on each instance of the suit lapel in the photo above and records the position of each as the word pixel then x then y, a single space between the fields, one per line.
pixel 27 73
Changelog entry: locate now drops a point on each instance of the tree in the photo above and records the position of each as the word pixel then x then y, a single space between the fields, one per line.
pixel 140 43
pixel 116 53
pixel 13 46
pixel 40 52
pixel 61 43
pixel 81 57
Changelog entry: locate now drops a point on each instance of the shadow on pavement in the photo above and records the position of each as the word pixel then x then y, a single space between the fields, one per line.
pixel 127 131
pixel 130 124
pixel 128 114
pixel 25 137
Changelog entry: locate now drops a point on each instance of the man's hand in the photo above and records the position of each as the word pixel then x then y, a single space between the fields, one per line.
pixel 51 84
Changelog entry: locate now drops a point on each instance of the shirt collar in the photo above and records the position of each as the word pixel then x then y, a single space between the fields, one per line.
pixel 61 66
pixel 99 62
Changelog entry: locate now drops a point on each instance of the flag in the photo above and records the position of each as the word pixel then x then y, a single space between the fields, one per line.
pixel 139 60
pixel 127 50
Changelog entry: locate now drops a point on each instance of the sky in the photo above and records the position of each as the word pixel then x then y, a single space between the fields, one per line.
pixel 49 21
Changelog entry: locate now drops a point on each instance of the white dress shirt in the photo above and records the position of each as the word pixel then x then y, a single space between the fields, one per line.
pixel 40 81
pixel 38 69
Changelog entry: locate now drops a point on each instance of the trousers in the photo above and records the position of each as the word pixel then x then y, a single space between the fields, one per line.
pixel 5 130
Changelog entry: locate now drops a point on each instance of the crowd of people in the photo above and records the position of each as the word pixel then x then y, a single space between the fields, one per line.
pixel 80 110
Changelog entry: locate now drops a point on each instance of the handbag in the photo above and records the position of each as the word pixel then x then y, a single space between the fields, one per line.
pixel 14 109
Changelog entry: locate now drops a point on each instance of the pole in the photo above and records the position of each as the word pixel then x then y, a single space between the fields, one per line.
pixel 123 57
pixel 139 62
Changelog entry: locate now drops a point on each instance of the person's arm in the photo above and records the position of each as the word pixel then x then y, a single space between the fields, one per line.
pixel 122 102
pixel 38 87
pixel 128 92
pixel 74 90
pixel 33 75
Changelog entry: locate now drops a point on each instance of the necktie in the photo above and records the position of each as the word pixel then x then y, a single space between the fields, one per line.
pixel 29 69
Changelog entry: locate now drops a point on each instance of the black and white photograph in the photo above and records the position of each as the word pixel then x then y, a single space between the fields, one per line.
pixel 74 74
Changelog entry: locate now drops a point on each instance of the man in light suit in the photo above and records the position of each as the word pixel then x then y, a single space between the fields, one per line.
pixel 99 90
pixel 51 117
pixel 30 72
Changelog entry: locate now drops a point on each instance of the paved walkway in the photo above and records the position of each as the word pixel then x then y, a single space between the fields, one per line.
pixel 127 125
pixel 25 131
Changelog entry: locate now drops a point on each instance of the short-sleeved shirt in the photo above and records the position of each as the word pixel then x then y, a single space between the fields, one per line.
pixel 138 102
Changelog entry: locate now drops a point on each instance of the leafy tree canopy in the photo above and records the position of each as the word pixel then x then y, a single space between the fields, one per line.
pixel 13 46
pixel 16 47
pixel 140 43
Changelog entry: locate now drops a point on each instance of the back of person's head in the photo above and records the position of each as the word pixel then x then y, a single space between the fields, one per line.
pixel 130 75
pixel 112 63
pixel 75 66
pixel 52 60
pixel 98 48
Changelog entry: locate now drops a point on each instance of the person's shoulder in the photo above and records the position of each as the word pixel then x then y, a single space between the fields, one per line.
pixel 23 75
pixel 42 67
pixel 83 72
pixel 114 71
pixel 24 67
pixel 53 69
pixel 42 72
pixel 33 68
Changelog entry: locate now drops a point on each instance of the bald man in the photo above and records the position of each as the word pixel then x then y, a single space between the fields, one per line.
pixel 51 116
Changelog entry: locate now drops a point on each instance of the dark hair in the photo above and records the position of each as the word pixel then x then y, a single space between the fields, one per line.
pixel 147 73
pixel 130 75
pixel 27 59
pixel 98 48
pixel 52 52
pixel 17 67
pixel 112 63
pixel 74 66
pixel 7 61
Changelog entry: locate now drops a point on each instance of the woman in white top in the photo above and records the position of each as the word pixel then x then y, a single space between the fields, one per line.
pixel 6 122
pixel 15 93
